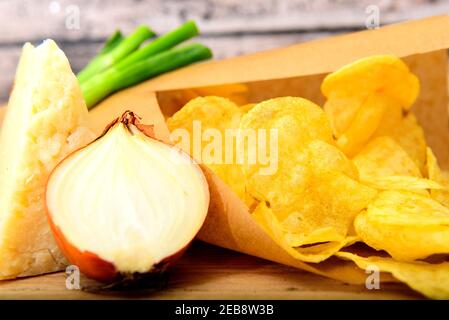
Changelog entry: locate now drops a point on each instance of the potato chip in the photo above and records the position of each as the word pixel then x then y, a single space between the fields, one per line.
pixel 383 156
pixel 231 175
pixel 283 189
pixel 213 113
pixel 362 96
pixel 366 121
pixel 171 100
pixel 406 225
pixel 391 120
pixel 405 183
pixel 295 122
pixel 309 199
pixel 434 173
pixel 323 156
pixel 341 109
pixel 330 199
pixel 432 280
pixel 292 227
pixel 236 92
pixel 410 137
pixel 247 107
pixel 317 253
pixel 314 195
pixel 384 73
pixel 298 123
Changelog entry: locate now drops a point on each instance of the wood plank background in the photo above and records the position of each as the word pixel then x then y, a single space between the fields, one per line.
pixel 229 27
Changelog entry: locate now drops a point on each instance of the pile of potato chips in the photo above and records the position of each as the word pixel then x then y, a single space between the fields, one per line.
pixel 356 170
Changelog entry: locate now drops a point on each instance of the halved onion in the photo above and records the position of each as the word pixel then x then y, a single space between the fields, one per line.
pixel 127 203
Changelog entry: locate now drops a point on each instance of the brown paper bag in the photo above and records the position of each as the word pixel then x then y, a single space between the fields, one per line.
pixel 297 71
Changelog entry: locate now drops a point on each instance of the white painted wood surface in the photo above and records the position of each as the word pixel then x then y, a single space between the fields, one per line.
pixel 34 19
pixel 229 27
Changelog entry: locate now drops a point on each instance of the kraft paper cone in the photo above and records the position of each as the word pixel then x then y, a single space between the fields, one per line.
pixel 297 71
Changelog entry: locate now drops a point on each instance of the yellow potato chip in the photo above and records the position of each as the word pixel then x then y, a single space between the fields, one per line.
pixel 170 101
pixel 323 156
pixel 317 253
pixel 406 183
pixel 383 156
pixel 294 238
pixel 313 205
pixel 391 120
pixel 329 199
pixel 314 195
pixel 364 124
pixel 212 113
pixel 434 173
pixel 297 120
pixel 247 107
pixel 341 109
pixel 299 171
pixel 283 189
pixel 236 92
pixel 232 175
pixel 384 73
pixel 294 122
pixel 206 121
pixel 432 280
pixel 366 98
pixel 410 137
pixel 406 225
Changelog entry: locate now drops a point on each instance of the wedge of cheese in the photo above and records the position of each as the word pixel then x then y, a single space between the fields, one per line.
pixel 45 120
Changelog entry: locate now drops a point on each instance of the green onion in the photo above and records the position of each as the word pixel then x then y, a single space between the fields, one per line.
pixel 112 42
pixel 113 79
pixel 186 31
pixel 121 50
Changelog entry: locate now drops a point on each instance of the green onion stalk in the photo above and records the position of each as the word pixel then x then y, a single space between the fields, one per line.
pixel 116 78
pixel 111 43
pixel 184 32
pixel 115 53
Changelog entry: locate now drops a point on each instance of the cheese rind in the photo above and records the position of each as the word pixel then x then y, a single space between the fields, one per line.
pixel 45 120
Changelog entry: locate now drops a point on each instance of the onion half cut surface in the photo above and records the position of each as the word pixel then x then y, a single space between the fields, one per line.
pixel 127 203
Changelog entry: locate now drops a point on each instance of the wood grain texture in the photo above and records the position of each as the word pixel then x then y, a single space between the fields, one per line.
pixel 98 17
pixel 208 272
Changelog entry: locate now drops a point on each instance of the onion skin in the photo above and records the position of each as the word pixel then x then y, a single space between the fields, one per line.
pixel 90 263
pixel 98 269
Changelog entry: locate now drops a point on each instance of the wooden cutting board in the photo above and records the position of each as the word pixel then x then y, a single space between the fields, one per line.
pixel 209 272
